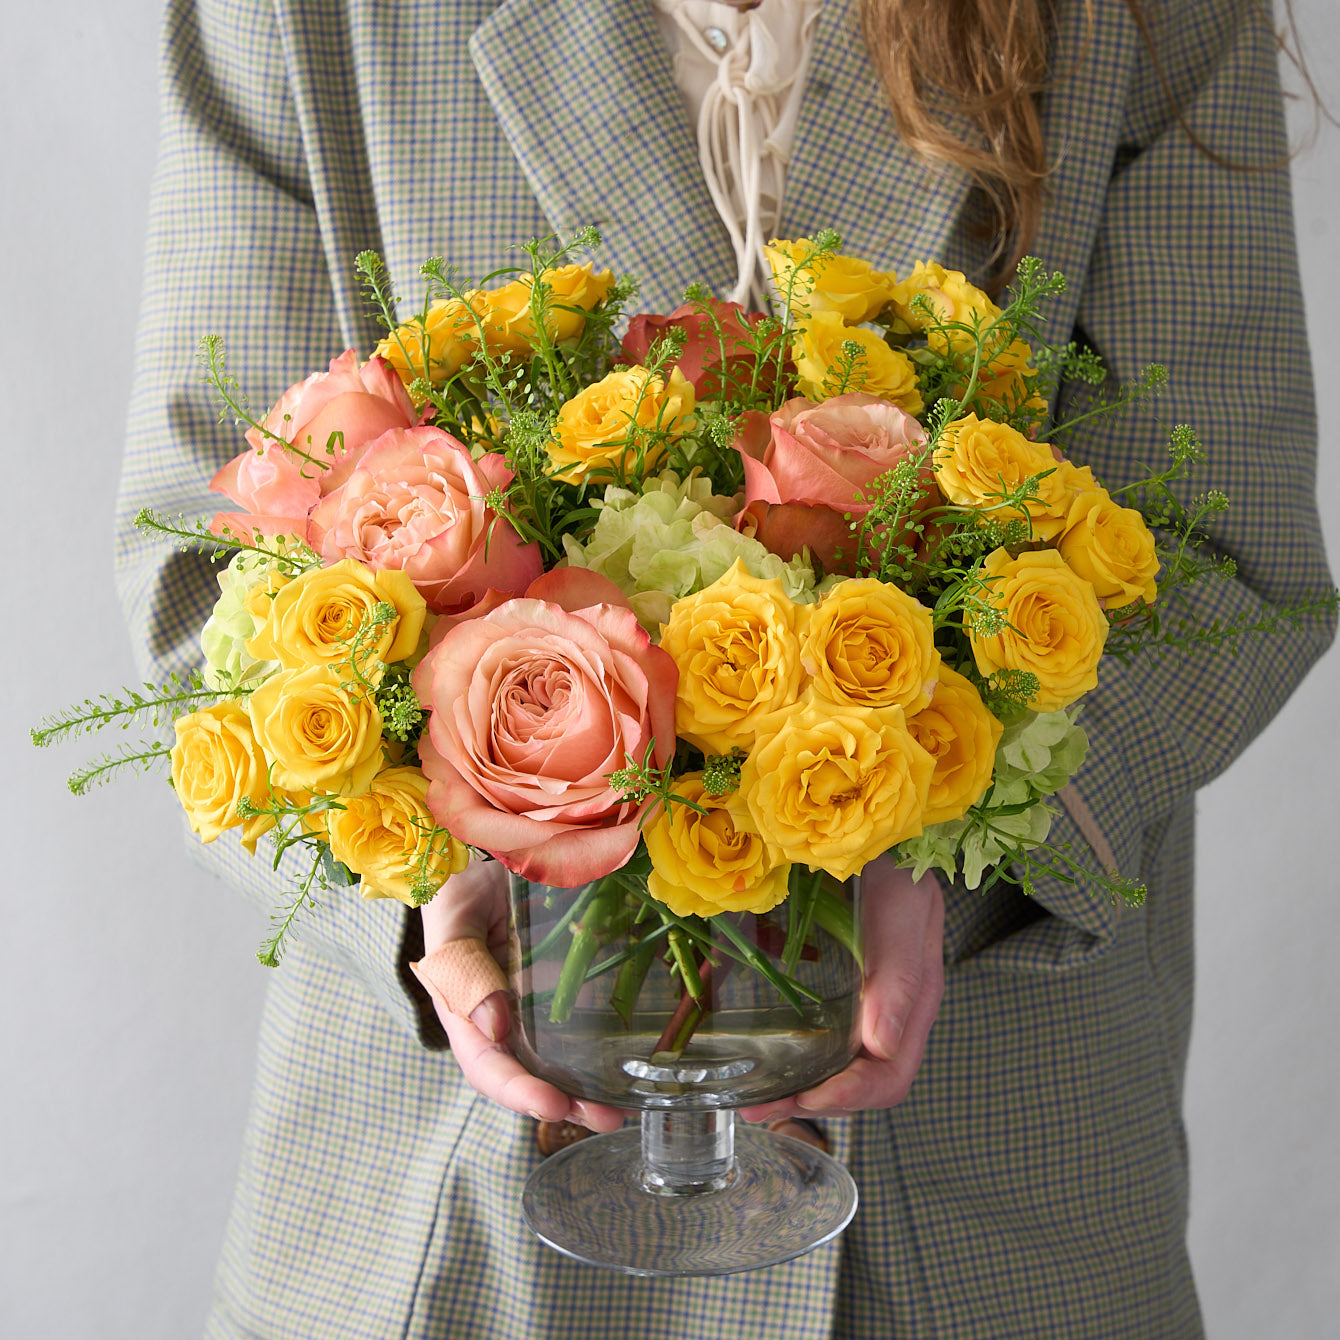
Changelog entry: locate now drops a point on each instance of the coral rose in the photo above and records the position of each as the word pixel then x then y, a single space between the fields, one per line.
pixel 806 466
pixel 710 862
pixel 833 785
pixel 328 419
pixel 534 703
pixel 416 502
pixel 1053 626
pixel 718 346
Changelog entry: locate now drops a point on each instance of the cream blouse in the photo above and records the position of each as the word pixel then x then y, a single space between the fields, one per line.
pixel 742 74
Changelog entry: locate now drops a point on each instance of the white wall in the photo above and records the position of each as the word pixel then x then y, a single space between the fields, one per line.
pixel 128 994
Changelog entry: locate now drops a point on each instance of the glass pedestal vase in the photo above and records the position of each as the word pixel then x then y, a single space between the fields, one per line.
pixel 620 1001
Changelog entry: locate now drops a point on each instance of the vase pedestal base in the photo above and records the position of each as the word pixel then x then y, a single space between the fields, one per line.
pixel 605 1202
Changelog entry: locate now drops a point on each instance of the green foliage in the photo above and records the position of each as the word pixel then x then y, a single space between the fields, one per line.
pixel 721 772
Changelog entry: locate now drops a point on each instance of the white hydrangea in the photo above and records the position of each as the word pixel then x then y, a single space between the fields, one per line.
pixel 674 538
pixel 228 664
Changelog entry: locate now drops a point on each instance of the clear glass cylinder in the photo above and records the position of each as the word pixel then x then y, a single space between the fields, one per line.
pixel 620 1002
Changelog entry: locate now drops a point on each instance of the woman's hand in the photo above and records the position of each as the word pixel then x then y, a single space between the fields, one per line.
pixel 474 905
pixel 903 921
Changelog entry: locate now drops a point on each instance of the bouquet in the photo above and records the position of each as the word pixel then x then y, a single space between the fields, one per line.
pixel 694 612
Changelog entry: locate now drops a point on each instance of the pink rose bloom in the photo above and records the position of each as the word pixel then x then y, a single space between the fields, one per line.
pixel 415 501
pixel 275 485
pixel 533 703
pixel 701 359
pixel 805 465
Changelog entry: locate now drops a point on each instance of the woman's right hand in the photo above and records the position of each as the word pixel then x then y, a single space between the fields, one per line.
pixel 473 906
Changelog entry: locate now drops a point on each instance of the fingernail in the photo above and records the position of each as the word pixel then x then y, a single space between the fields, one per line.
pixel 533 1114
pixel 486 1021
pixel 888 1034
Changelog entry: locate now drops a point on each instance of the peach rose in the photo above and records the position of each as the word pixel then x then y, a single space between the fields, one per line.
pixel 416 502
pixel 534 703
pixel 328 418
pixel 807 464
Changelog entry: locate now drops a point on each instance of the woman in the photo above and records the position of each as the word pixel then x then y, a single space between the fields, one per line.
pixel 1033 1182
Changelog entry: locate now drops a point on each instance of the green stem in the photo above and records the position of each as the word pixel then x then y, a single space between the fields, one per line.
pixel 586 934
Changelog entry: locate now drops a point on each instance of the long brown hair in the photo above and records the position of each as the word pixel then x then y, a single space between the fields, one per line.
pixel 990 64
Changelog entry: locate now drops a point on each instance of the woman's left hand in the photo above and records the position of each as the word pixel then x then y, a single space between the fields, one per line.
pixel 903 922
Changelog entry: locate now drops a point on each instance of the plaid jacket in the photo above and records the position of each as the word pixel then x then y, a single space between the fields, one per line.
pixel 1034 1184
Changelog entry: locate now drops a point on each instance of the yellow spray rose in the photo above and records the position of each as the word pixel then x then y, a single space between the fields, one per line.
pixel 388 836
pixel 714 862
pixel 314 619
pixel 868 642
pixel 501 318
pixel 318 737
pixel 833 785
pixel 977 460
pixel 601 430
pixel 216 762
pixel 951 298
pixel 434 347
pixel 573 286
pixel 1111 547
pixel 961 735
pixel 1055 627
pixel 736 647
pixel 879 370
pixel 847 285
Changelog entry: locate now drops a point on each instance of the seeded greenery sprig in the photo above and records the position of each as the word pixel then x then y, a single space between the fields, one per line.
pixel 233 405
pixel 154 704
pixel 640 780
pixel 194 536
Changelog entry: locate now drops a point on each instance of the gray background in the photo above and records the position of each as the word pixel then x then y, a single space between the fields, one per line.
pixel 128 994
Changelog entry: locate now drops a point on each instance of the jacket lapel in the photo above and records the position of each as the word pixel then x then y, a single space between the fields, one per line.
pixel 851 171
pixel 1083 118
pixel 585 95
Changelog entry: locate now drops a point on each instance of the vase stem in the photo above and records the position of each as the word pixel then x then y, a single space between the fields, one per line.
pixel 687 1153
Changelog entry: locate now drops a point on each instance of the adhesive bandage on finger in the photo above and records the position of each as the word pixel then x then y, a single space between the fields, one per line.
pixel 460 975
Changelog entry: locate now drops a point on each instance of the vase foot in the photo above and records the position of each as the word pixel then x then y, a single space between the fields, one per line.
pixel 782 1199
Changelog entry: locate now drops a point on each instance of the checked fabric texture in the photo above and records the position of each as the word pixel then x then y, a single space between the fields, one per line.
pixel 1034 1184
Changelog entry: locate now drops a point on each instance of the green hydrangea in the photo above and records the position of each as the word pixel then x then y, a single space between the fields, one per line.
pixel 228 664
pixel 1038 753
pixel 674 538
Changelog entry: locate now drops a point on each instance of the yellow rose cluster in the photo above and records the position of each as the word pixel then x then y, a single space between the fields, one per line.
pixel 824 702
pixel 312 731
pixel 1051 601
pixel 831 297
pixel 438 345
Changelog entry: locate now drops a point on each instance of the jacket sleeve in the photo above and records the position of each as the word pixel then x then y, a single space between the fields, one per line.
pixel 235 249
pixel 1195 267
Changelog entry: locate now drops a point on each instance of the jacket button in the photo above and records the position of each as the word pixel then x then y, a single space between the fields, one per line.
pixel 799 1129
pixel 551 1136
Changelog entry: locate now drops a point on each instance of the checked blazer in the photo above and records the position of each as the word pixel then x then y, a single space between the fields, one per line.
pixel 1034 1184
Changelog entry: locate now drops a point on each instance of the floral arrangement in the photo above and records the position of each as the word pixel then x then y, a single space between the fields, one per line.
pixel 730 602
